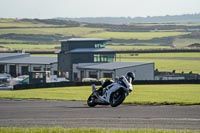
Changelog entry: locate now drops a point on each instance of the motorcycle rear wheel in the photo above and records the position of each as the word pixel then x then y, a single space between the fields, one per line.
pixel 117 97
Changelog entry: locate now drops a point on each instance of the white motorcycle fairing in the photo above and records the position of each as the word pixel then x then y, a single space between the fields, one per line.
pixel 109 89
pixel 121 84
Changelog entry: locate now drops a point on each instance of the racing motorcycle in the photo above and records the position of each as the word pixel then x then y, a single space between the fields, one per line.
pixel 112 93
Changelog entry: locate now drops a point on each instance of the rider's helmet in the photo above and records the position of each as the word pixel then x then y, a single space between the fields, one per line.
pixel 130 76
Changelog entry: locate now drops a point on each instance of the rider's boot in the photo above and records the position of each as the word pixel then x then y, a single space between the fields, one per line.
pixel 93 88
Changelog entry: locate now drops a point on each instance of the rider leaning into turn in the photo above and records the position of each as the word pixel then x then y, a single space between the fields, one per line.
pixel 130 76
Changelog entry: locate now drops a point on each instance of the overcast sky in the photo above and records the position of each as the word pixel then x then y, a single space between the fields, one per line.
pixel 95 8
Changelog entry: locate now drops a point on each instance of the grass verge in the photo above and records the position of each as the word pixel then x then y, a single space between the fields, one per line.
pixel 87 130
pixel 142 94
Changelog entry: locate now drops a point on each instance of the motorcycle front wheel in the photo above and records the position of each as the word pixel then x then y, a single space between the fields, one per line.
pixel 91 101
pixel 117 97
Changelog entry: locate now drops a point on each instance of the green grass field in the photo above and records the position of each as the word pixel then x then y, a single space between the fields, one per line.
pixel 17 23
pixel 164 55
pixel 166 61
pixel 87 130
pixel 76 31
pixel 10 41
pixel 185 66
pixel 132 47
pixel 182 42
pixel 165 94
pixel 142 94
pixel 52 46
pixel 38 28
pixel 135 35
pixel 91 32
pixel 31 47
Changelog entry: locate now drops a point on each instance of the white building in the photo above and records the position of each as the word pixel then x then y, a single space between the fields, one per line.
pixel 22 63
pixel 142 70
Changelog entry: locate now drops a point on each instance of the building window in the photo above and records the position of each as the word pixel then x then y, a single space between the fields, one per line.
pixel 55 72
pixel 66 74
pixel 2 69
pixel 107 75
pixel 24 70
pixel 97 58
pixel 92 74
pixel 103 58
pixel 38 68
pixel 110 58
pixel 47 69
pixel 37 75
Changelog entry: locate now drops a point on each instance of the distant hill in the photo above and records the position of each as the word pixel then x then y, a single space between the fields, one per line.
pixel 187 18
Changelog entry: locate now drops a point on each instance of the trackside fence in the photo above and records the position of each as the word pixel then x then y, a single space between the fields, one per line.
pixel 68 84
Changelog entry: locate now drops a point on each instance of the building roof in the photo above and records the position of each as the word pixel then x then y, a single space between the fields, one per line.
pixel 31 60
pixel 112 65
pixel 5 56
pixel 89 50
pixel 83 39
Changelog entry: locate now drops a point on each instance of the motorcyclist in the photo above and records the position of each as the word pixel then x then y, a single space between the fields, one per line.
pixel 130 76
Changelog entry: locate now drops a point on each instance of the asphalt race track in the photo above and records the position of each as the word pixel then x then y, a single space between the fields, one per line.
pixel 40 113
